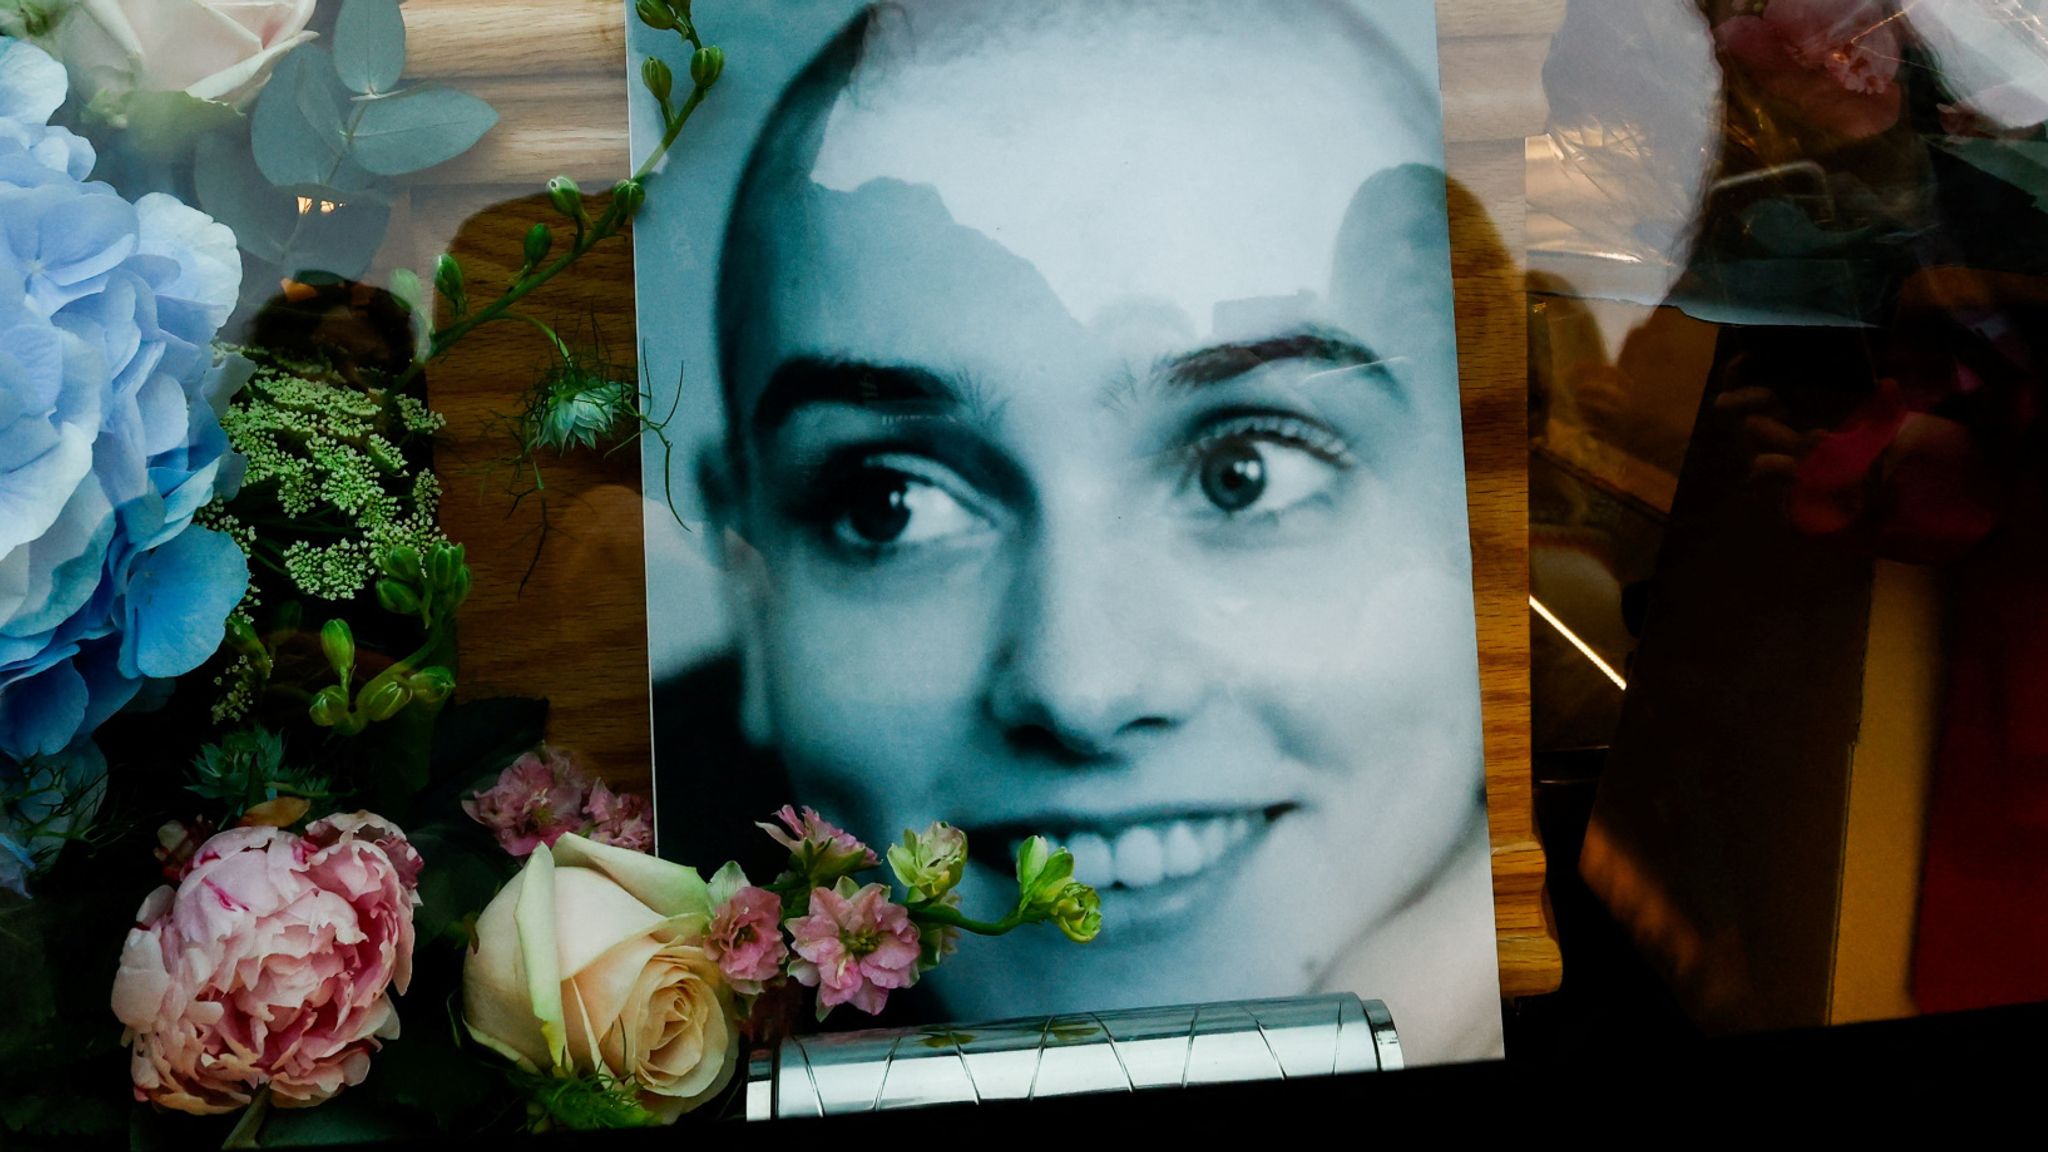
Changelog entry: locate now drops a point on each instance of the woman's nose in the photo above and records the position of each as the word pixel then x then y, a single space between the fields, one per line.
pixel 1094 655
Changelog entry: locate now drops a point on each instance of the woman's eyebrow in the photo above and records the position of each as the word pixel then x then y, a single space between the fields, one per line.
pixel 805 380
pixel 1222 362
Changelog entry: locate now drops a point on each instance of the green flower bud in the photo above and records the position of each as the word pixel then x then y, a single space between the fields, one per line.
pixel 566 197
pixel 706 64
pixel 1031 859
pixel 655 14
pixel 930 864
pixel 448 281
pixel 339 644
pixel 432 685
pixel 386 700
pixel 454 597
pixel 397 597
pixel 655 73
pixel 1050 870
pixel 329 707
pixel 1078 912
pixel 629 195
pixel 442 565
pixel 401 562
pixel 539 239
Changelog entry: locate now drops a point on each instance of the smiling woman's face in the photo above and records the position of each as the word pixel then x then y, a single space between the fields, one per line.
pixel 1102 479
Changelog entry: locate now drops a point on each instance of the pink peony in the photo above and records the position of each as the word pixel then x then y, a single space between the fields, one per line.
pixel 855 948
pixel 819 848
pixel 745 938
pixel 270 964
pixel 621 819
pixel 538 798
pixel 1832 64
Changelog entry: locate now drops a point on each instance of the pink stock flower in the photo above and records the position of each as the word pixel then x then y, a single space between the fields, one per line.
pixel 819 848
pixel 538 798
pixel 855 948
pixel 745 938
pixel 621 819
pixel 1832 64
pixel 269 965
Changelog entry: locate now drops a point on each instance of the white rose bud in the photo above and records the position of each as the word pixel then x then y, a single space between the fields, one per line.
pixel 219 50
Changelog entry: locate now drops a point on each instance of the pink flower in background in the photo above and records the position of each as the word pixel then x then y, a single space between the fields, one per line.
pixel 536 799
pixel 745 938
pixel 855 948
pixel 270 964
pixel 820 848
pixel 621 819
pixel 1832 64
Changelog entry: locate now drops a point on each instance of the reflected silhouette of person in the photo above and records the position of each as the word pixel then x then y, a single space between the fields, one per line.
pixel 1093 468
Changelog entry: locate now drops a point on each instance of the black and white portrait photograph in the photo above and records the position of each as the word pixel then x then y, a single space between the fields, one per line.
pixel 1066 442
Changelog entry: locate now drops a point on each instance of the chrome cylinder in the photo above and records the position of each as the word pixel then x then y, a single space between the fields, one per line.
pixel 832 1074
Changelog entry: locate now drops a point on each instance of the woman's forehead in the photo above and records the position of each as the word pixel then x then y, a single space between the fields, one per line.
pixel 1196 166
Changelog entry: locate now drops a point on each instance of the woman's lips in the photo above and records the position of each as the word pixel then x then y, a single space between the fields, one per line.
pixel 1138 854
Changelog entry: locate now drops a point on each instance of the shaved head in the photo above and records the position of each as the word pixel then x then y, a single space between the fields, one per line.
pixel 964 112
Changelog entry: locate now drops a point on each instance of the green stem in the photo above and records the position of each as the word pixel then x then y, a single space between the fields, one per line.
pixel 668 135
pixel 251 1124
pixel 944 914
pixel 601 229
pixel 554 339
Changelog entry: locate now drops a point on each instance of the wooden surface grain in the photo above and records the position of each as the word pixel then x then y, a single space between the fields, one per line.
pixel 577 633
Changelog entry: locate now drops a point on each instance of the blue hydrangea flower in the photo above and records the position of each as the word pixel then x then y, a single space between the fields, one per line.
pixel 110 437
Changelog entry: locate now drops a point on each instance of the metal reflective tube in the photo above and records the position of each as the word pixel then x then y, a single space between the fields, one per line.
pixel 1145 1048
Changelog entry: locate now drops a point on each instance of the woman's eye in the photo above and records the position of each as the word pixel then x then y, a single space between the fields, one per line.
pixel 1233 476
pixel 1242 473
pixel 883 507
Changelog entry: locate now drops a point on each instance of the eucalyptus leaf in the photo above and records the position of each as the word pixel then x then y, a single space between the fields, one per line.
pixel 233 191
pixel 369 45
pixel 298 128
pixel 417 128
pixel 340 243
pixel 348 181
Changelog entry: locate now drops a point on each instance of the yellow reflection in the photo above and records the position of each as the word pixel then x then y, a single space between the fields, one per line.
pixel 1585 649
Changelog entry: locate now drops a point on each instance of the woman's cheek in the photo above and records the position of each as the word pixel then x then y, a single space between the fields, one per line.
pixel 867 690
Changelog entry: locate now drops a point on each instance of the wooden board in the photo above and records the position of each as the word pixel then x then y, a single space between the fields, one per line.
pixel 577 630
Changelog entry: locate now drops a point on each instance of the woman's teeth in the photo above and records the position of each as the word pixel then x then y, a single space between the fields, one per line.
pixel 1145 854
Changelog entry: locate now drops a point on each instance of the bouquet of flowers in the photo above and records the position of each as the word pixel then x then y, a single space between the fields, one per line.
pixel 237 772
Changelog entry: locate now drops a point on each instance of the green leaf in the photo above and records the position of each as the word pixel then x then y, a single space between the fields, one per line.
pixel 168 125
pixel 369 45
pixel 346 1119
pixel 475 737
pixel 341 243
pixel 466 869
pixel 234 192
pixel 298 129
pixel 418 128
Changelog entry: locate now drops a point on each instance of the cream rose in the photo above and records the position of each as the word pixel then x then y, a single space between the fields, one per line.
pixel 212 49
pixel 592 960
